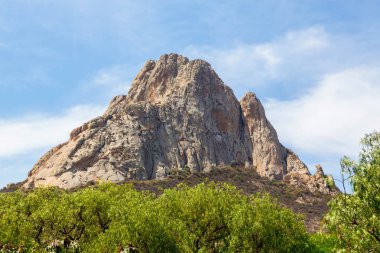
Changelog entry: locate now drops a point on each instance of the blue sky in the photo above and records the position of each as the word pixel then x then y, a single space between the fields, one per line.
pixel 314 64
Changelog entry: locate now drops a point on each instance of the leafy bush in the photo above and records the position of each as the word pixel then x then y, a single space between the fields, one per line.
pixel 355 218
pixel 325 242
pixel 111 218
pixel 330 181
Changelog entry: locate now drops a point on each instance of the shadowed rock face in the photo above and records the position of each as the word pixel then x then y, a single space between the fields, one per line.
pixel 178 115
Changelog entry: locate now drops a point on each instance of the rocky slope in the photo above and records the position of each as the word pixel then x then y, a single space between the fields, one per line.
pixel 177 116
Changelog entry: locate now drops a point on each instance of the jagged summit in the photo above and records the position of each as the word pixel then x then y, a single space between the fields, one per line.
pixel 157 81
pixel 170 77
pixel 178 115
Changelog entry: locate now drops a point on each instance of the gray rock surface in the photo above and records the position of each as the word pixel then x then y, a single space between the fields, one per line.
pixel 178 115
pixel 268 155
pixel 318 182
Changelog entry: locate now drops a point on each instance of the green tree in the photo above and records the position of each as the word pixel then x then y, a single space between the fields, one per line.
pixel 137 225
pixel 355 218
pixel 209 217
pixel 218 218
pixel 23 220
pixel 261 225
pixel 202 213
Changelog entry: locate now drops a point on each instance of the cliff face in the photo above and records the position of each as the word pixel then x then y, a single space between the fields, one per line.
pixel 178 115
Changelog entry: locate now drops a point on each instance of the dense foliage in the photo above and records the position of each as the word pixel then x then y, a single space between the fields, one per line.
pixel 113 218
pixel 355 218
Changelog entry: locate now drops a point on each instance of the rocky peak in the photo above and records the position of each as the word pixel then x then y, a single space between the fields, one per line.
pixel 160 80
pixel 315 183
pixel 269 157
pixel 319 170
pixel 178 115
pixel 173 78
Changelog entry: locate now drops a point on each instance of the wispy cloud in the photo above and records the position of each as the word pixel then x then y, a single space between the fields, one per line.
pixel 333 116
pixel 115 79
pixel 252 65
pixel 32 132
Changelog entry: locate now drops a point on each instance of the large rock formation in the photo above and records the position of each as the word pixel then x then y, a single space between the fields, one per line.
pixel 178 115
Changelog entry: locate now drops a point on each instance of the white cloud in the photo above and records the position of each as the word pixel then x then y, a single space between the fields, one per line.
pixel 257 64
pixel 32 132
pixel 313 38
pixel 333 116
pixel 115 80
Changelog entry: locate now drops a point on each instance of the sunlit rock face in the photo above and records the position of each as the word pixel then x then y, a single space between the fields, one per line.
pixel 178 115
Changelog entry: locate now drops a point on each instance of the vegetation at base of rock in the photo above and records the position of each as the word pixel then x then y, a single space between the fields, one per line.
pixel 114 218
pixel 312 205
pixel 355 218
